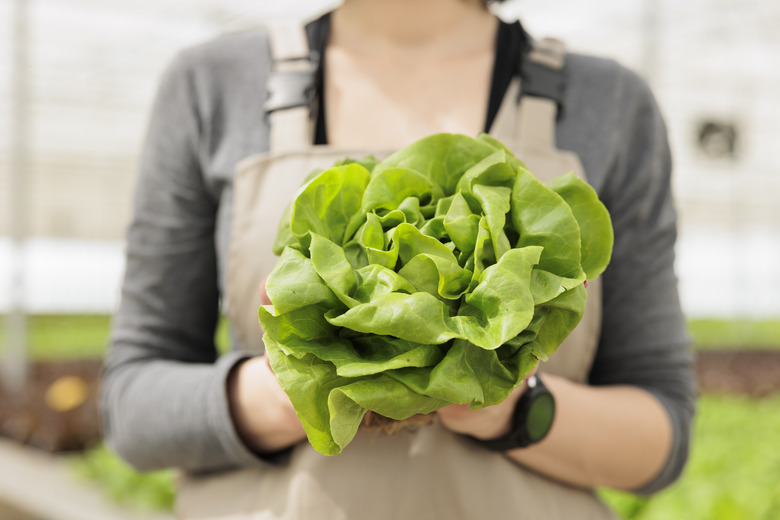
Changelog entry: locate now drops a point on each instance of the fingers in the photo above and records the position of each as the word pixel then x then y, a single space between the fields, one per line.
pixel 455 411
pixel 264 299
pixel 484 423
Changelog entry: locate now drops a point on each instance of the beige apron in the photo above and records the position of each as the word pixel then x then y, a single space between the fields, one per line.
pixel 426 473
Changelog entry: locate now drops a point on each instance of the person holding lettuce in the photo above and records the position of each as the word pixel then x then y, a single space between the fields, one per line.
pixel 369 78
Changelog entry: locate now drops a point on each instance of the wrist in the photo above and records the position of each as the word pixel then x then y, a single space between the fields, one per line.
pixel 531 419
pixel 484 423
pixel 263 416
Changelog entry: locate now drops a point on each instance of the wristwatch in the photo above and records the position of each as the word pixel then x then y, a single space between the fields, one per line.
pixel 531 420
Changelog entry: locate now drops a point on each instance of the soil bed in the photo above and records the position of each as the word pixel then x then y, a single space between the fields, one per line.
pixel 755 373
pixel 55 423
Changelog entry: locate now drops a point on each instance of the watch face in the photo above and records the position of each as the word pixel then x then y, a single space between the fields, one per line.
pixel 540 416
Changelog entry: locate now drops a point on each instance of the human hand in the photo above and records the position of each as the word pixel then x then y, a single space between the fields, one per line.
pixel 262 412
pixel 264 299
pixel 486 423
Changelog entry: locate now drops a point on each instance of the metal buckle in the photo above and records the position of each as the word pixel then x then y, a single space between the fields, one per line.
pixel 291 88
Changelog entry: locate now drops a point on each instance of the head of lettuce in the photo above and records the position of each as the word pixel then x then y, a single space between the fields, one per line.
pixel 440 275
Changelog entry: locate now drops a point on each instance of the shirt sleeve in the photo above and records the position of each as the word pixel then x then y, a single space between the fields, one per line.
pixel 644 340
pixel 164 395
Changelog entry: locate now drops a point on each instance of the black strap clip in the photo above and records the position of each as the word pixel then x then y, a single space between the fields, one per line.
pixel 544 81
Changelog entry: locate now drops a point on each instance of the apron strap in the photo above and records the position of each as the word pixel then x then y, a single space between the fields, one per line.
pixel 535 100
pixel 290 87
pixel 541 93
pixel 543 73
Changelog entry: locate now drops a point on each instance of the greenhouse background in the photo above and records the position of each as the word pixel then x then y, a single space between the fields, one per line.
pixel 75 107
pixel 77 79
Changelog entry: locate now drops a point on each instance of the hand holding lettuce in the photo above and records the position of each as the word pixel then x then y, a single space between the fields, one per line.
pixel 440 275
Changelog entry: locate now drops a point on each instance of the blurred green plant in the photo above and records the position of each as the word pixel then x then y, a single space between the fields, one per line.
pixel 153 491
pixel 77 336
pixel 733 472
pixel 52 337
pixel 736 333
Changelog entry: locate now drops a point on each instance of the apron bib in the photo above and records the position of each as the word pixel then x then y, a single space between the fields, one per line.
pixel 422 473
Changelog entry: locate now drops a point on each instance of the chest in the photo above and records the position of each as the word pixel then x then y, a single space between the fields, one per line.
pixel 390 102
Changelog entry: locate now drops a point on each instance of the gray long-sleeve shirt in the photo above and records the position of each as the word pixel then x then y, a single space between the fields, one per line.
pixel 164 397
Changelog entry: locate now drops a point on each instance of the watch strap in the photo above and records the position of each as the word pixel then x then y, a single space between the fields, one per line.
pixel 518 435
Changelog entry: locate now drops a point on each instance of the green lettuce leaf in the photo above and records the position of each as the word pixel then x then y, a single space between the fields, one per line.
pixel 440 275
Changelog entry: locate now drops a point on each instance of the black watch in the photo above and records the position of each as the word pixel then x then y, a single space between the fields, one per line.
pixel 531 420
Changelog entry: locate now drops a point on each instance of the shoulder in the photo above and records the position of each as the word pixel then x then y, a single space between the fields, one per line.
pixel 605 84
pixel 218 87
pixel 223 58
pixel 221 81
pixel 609 110
pixel 610 98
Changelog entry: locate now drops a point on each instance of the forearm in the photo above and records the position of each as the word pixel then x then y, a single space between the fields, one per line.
pixel 617 436
pixel 161 413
